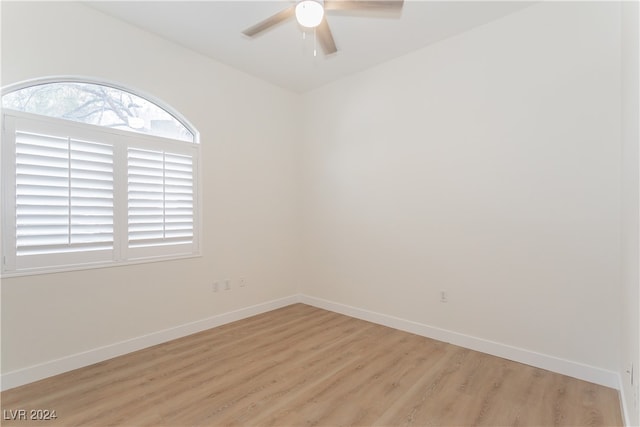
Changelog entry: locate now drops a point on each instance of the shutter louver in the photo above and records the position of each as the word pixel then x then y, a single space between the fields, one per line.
pixel 64 195
pixel 160 198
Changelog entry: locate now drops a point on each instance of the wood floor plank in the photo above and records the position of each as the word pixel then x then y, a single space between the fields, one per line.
pixel 303 366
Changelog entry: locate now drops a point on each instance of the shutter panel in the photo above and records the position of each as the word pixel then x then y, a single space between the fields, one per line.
pixel 91 195
pixel 160 198
pixel 179 197
pixel 42 193
pixel 145 197
pixel 64 195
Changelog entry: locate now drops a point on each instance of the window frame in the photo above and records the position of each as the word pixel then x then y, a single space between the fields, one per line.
pixel 121 141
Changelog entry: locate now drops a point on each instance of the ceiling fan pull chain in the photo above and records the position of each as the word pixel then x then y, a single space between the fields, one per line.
pixel 315 43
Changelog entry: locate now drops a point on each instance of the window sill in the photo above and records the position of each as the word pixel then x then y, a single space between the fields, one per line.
pixel 94 266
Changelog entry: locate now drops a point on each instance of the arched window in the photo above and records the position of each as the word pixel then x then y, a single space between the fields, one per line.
pixel 94 175
pixel 97 104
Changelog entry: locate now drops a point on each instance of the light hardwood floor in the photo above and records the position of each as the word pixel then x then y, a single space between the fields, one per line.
pixel 303 366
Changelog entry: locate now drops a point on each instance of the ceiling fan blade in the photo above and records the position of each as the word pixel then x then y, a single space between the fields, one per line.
pixel 270 22
pixel 363 4
pixel 323 32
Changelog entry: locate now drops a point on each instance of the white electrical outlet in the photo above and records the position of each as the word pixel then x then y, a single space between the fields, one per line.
pixel 215 286
pixel 444 296
pixel 227 285
pixel 242 282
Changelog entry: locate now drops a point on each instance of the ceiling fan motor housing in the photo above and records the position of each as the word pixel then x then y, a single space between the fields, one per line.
pixel 309 13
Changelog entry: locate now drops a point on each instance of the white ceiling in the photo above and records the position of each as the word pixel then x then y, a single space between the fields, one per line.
pixel 281 56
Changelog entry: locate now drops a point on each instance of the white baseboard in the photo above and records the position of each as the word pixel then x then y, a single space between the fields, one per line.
pixel 79 360
pixel 623 403
pixel 566 367
pixel 539 360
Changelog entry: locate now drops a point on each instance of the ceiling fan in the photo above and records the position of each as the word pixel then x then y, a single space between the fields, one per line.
pixel 311 14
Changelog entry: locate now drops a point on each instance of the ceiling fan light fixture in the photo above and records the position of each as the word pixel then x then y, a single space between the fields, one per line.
pixel 309 13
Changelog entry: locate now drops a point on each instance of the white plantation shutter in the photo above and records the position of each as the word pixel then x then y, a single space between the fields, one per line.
pixel 91 195
pixel 145 179
pixel 42 193
pixel 178 197
pixel 160 198
pixel 79 195
pixel 64 195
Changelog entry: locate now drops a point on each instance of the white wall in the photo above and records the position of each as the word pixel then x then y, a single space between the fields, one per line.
pixel 630 338
pixel 486 165
pixel 249 188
